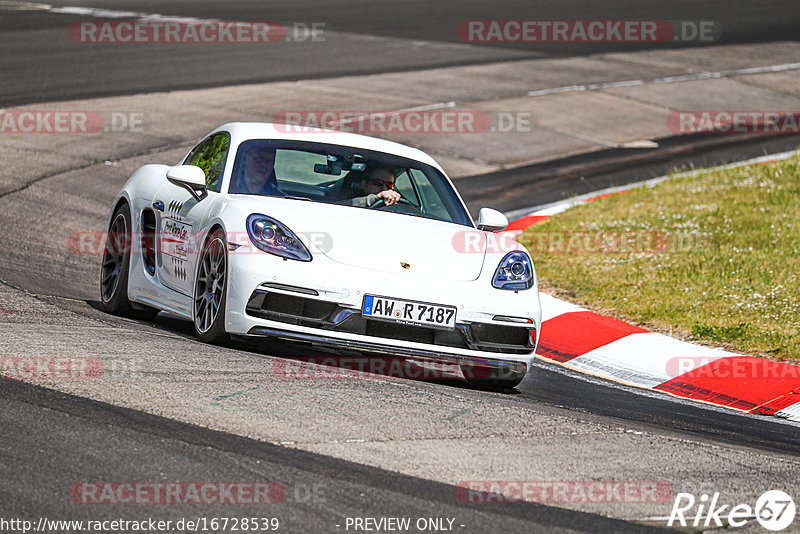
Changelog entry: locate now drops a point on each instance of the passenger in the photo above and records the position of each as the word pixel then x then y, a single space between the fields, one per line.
pixel 376 184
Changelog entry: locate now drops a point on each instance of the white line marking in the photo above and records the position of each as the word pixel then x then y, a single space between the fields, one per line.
pixel 559 206
pixel 94 12
pixel 554 90
pixel 668 79
pixel 627 83
pixel 24 6
pixel 605 381
pixel 791 412
pixel 667 358
pixel 588 138
pixel 111 14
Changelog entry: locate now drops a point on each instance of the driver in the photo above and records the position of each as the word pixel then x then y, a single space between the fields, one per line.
pixel 377 184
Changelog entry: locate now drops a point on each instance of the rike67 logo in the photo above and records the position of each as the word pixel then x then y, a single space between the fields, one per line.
pixel 774 510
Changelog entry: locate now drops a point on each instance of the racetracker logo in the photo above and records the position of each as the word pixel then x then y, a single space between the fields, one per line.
pixel 758 121
pixel 363 368
pixel 177 493
pixel 587 31
pixel 177 242
pixel 50 367
pixel 181 32
pixel 586 242
pixel 70 122
pixel 371 368
pixel 730 367
pixel 439 121
pixel 564 491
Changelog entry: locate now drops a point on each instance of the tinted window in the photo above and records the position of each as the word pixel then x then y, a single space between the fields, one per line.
pixel 210 155
pixel 336 174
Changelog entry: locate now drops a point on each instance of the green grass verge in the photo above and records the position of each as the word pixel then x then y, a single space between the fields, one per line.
pixel 713 257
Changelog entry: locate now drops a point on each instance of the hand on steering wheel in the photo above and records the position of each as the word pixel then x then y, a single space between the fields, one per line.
pixel 388 198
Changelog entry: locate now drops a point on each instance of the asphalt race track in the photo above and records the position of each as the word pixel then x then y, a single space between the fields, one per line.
pixel 363 37
pixel 342 449
pixel 84 431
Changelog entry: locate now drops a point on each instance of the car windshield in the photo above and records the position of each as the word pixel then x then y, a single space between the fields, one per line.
pixel 344 175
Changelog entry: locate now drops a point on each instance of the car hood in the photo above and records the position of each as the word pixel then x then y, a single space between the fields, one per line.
pixel 381 240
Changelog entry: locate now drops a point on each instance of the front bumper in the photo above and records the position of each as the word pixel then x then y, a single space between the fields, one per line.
pixel 336 293
pixel 301 307
pixel 504 367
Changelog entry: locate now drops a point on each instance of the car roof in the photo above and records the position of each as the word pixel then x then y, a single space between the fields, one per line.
pixel 242 131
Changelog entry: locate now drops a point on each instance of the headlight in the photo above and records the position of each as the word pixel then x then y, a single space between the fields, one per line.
pixel 271 236
pixel 514 272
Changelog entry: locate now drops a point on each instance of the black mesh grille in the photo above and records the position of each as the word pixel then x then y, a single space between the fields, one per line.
pixel 400 331
pixel 506 335
pixel 299 306
pixel 291 309
pixel 299 310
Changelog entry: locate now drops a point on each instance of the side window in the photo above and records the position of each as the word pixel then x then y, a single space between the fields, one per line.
pixel 432 201
pixel 405 187
pixel 210 155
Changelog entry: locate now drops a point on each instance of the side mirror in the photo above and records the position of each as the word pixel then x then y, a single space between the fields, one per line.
pixel 491 220
pixel 191 178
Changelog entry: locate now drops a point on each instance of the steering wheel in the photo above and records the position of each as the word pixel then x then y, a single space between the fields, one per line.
pixel 381 202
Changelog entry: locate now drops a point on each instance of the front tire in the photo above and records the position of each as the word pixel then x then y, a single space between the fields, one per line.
pixel 210 291
pixel 116 264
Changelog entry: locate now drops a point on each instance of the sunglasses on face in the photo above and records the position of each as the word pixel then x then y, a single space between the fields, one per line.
pixel 383 183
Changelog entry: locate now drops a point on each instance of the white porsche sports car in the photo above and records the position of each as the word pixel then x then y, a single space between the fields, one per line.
pixel 323 237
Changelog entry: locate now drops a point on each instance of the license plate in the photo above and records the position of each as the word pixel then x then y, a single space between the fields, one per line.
pixel 409 312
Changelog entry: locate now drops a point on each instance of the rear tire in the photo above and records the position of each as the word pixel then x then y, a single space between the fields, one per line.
pixel 210 291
